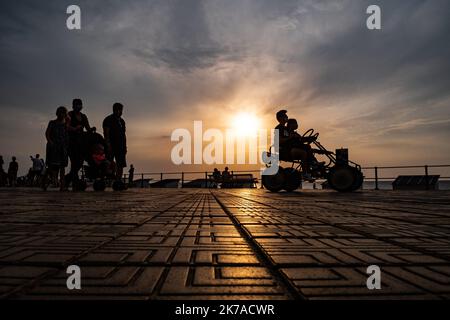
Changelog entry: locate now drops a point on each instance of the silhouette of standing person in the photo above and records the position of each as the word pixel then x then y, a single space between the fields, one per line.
pixel 114 131
pixel 131 175
pixel 2 172
pixel 36 169
pixel 12 172
pixel 57 147
pixel 77 124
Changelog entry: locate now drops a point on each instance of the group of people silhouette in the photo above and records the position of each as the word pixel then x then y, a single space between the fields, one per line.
pixel 10 177
pixel 65 136
pixel 65 141
pixel 225 176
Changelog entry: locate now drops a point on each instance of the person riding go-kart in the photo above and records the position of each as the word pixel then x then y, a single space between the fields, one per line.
pixel 340 173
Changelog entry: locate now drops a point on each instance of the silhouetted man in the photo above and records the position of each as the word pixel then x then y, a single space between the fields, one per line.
pixel 77 124
pixel 114 131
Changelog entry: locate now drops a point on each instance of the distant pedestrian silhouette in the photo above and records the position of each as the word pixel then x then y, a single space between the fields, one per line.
pixel 37 168
pixel 2 173
pixel 12 172
pixel 131 175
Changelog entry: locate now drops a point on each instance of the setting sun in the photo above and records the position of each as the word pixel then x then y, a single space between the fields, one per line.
pixel 245 124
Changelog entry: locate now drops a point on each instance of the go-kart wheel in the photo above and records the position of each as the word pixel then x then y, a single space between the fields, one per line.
pixel 274 182
pixel 118 185
pixel 342 178
pixel 293 179
pixel 79 185
pixel 358 181
pixel 99 185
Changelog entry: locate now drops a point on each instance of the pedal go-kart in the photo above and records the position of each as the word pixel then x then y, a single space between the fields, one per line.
pixel 339 173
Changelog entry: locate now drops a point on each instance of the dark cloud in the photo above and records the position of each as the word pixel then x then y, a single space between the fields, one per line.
pixel 183 59
pixel 409 53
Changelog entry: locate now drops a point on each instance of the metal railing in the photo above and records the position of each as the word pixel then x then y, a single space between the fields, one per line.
pixel 426 170
pixel 376 177
pixel 184 176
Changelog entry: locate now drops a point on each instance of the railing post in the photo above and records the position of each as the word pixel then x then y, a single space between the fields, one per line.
pixel 376 178
pixel 427 181
pixel 161 176
pixel 142 180
pixel 206 179
pixel 232 179
pixel 182 179
pixel 260 179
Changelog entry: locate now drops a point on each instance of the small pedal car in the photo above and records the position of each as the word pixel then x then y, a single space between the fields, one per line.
pixel 339 173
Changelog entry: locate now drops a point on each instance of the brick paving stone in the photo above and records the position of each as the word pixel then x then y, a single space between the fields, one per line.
pixel 224 244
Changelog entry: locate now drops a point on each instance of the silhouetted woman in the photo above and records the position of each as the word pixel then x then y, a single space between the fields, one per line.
pixel 57 147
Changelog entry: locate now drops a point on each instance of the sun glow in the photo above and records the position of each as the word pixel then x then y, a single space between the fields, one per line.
pixel 246 124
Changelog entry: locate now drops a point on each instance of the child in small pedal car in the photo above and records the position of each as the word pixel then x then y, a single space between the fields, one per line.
pixel 102 166
pixel 295 140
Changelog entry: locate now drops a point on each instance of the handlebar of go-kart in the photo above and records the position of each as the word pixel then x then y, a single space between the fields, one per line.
pixel 309 136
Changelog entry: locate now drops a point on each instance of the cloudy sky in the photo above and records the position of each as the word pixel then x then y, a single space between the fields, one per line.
pixel 384 94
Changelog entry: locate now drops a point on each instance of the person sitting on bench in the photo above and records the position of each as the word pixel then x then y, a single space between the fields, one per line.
pixel 226 178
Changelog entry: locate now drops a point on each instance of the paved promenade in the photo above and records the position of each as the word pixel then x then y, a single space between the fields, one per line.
pixel 224 244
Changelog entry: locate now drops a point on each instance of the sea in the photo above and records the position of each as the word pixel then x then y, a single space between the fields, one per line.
pixel 382 185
